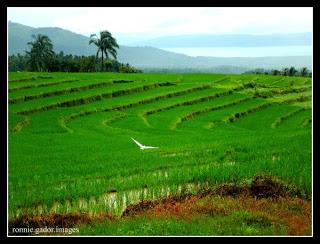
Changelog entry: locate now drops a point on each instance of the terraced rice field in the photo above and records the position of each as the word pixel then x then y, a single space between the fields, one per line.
pixel 71 153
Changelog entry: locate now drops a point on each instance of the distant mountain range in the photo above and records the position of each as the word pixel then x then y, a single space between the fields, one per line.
pixel 154 59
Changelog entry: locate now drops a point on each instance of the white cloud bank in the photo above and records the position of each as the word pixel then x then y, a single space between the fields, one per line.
pixel 153 22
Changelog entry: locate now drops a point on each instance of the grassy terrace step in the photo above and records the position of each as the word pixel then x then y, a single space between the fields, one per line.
pixel 276 81
pixel 94 120
pixel 269 92
pixel 13 119
pixel 235 116
pixel 98 75
pixel 55 75
pixel 296 99
pixel 154 170
pixel 307 104
pixel 188 102
pixel 279 120
pixel 120 107
pixel 296 122
pixel 111 120
pixel 306 122
pixel 288 81
pixel 160 122
pixel 55 78
pixel 236 81
pixel 191 115
pixel 170 119
pixel 25 86
pixel 20 124
pixel 197 100
pixel 35 85
pixel 62 97
pixel 269 80
pixel 97 97
pixel 304 96
pixel 66 89
pixel 22 75
pixel 261 120
pixel 95 76
pixel 246 85
pixel 31 78
pixel 128 175
pixel 124 142
pixel 217 117
pixel 240 114
pixel 48 119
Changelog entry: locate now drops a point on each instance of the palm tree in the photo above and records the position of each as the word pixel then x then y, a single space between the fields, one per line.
pixel 41 52
pixel 106 44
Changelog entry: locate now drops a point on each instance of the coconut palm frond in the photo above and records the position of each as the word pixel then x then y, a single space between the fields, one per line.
pixel 106 44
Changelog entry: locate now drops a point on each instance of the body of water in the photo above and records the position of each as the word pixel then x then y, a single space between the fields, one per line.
pixel 244 51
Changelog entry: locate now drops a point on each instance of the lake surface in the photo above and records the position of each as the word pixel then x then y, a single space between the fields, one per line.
pixel 244 51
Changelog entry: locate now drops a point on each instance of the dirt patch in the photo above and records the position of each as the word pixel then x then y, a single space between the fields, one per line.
pixel 139 207
pixel 262 186
pixel 265 186
pixel 230 190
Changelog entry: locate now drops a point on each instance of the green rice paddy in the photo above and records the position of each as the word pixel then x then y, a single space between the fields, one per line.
pixel 70 147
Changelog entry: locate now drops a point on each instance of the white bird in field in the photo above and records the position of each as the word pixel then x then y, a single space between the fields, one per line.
pixel 142 147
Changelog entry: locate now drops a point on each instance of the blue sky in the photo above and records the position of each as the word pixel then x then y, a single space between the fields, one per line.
pixel 153 22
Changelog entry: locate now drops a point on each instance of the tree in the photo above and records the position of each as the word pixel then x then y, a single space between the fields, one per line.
pixel 106 44
pixel 60 62
pixel 275 72
pixel 126 68
pixel 87 64
pixel 17 63
pixel 304 71
pixel 285 72
pixel 292 71
pixel 41 53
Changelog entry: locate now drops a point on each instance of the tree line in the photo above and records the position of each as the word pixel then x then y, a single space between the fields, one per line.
pixel 289 71
pixel 42 58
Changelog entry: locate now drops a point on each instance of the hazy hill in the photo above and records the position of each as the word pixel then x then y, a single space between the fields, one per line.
pixel 146 57
pixel 63 40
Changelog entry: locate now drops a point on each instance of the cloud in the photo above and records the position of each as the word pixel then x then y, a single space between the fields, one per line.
pixel 147 21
